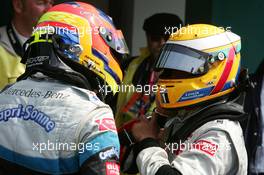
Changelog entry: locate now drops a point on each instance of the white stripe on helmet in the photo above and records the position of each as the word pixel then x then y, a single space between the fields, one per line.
pixel 209 42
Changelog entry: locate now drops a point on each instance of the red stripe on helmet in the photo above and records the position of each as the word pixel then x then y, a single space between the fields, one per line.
pixel 226 72
pixel 77 8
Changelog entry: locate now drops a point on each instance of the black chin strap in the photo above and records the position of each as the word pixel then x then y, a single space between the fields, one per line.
pixel 14 40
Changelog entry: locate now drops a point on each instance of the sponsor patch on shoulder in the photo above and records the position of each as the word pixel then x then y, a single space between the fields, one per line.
pixel 206 147
pixel 112 168
pixel 106 124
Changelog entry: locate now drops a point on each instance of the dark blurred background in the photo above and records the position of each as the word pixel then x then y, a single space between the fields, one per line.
pixel 244 18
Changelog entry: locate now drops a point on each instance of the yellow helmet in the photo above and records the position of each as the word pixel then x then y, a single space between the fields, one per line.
pixel 198 63
pixel 84 38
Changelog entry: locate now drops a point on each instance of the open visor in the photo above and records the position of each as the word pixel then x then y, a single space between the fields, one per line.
pixel 182 58
pixel 115 40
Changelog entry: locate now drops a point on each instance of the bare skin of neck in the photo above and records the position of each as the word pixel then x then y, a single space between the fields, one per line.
pixel 22 27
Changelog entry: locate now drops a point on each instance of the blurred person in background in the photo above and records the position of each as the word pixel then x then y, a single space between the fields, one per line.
pixel 26 14
pixel 51 120
pixel 132 104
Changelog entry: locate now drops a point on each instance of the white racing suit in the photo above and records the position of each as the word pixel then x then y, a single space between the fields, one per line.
pixel 53 128
pixel 215 148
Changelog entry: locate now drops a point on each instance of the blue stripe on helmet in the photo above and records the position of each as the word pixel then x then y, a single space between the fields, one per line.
pixel 106 67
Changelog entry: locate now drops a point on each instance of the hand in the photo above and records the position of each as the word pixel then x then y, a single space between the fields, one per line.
pixel 145 129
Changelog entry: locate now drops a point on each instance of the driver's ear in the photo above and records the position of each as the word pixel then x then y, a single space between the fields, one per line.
pixel 18 6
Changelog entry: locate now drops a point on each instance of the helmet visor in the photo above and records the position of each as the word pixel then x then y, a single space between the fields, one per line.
pixel 114 39
pixel 121 43
pixel 182 58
